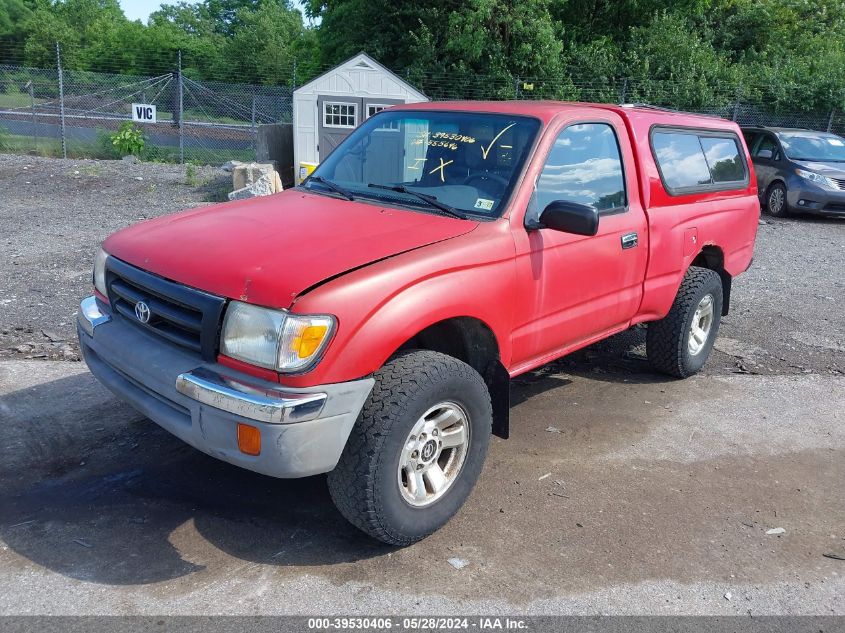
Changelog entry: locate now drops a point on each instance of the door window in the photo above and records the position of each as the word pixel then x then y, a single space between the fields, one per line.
pixel 584 166
pixel 340 114
pixel 768 142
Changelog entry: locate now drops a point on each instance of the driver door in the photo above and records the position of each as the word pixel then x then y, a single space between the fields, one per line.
pixel 575 289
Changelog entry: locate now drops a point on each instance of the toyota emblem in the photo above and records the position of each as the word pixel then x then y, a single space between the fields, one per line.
pixel 142 312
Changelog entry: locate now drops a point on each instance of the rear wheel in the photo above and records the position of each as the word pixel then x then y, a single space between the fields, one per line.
pixel 417 449
pixel 680 343
pixel 776 200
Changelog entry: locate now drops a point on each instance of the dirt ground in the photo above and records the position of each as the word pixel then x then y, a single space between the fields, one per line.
pixel 619 491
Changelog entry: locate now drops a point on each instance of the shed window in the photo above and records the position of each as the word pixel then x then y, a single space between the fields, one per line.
pixel 689 161
pixel 387 126
pixel 340 114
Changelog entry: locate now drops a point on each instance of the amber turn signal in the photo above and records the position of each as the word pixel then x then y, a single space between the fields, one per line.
pixel 249 439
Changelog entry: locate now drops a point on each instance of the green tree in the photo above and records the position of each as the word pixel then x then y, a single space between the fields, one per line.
pixel 265 42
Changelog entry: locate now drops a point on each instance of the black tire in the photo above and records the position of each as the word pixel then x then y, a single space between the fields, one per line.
pixel 668 340
pixel 364 485
pixel 776 203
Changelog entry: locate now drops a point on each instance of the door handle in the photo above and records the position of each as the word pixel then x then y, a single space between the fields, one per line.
pixel 629 240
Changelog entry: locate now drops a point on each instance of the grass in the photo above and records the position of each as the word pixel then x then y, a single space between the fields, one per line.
pixel 191 175
pixel 17 100
pixel 52 147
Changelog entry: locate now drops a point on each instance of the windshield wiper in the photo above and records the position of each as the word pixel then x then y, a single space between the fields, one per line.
pixel 336 188
pixel 431 200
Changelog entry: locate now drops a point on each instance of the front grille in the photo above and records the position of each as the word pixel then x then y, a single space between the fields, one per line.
pixel 840 182
pixel 184 316
pixel 835 206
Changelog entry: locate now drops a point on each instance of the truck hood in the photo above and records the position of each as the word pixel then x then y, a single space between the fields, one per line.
pixel 269 250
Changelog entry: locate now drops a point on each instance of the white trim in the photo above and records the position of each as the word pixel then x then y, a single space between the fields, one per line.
pixel 341 114
pixel 414 94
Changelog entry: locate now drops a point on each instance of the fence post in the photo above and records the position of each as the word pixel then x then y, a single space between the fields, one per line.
pixel 61 99
pixel 294 74
pixel 623 97
pixel 830 119
pixel 735 114
pixel 254 132
pixel 34 120
pixel 181 114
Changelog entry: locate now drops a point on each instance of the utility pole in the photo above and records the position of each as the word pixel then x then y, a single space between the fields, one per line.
pixel 61 99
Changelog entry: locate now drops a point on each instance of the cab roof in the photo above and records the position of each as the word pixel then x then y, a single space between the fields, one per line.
pixel 547 110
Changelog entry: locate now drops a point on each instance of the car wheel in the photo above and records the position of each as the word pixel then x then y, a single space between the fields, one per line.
pixel 680 343
pixel 416 450
pixel 776 200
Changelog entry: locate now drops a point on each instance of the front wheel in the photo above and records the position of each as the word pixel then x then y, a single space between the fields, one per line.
pixel 417 449
pixel 679 343
pixel 776 201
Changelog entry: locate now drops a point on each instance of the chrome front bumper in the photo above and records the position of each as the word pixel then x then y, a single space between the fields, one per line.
pixel 274 406
pixel 303 431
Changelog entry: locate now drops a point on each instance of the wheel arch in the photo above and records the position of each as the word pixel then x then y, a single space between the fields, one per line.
pixel 711 256
pixel 472 341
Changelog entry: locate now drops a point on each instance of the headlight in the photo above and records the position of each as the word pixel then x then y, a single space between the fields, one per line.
pixel 274 339
pixel 816 178
pixel 100 272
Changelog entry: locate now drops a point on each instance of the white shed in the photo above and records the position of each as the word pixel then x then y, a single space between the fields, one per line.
pixel 329 107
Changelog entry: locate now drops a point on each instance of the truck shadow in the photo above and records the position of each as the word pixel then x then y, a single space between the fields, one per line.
pixel 92 490
pixel 108 502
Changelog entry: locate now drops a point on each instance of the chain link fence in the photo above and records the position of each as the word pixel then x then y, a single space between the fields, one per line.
pixel 61 112
pixel 77 114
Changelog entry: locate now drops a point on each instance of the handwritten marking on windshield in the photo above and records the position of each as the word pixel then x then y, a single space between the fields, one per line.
pixel 485 152
pixel 441 168
pixel 417 163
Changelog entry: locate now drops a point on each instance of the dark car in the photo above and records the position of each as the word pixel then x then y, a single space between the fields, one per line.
pixel 798 171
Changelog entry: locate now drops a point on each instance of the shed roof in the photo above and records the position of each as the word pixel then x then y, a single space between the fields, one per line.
pixel 362 60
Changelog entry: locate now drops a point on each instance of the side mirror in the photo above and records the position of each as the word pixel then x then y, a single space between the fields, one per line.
pixel 569 217
pixel 765 153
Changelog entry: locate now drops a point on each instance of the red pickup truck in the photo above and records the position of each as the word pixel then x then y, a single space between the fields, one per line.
pixel 367 323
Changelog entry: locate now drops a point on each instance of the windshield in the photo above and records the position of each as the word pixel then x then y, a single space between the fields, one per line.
pixel 464 163
pixel 813 146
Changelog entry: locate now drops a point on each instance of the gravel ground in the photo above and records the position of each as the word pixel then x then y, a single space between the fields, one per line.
pixel 53 215
pixel 619 491
pixel 787 312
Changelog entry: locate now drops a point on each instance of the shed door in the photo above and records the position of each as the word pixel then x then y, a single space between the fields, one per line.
pixel 338 117
pixel 387 143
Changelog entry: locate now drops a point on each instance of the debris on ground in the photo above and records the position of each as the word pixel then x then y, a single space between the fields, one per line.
pixel 544 476
pixel 777 530
pixel 553 429
pixel 458 563
pixel 254 179
pixel 728 596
